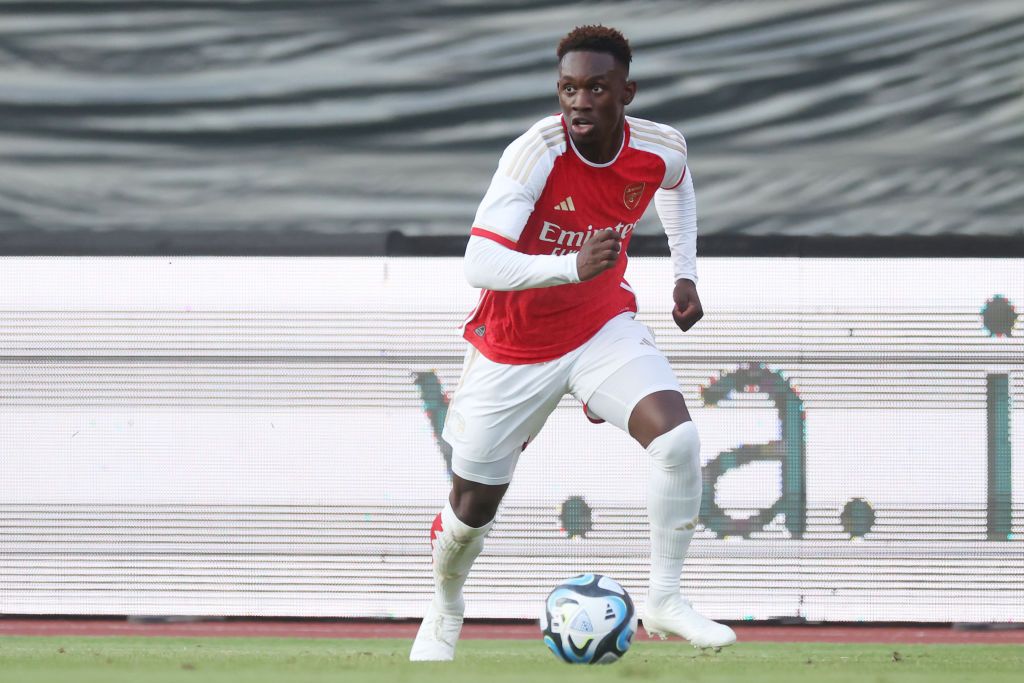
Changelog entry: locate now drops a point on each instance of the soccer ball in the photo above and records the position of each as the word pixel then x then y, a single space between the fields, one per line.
pixel 589 619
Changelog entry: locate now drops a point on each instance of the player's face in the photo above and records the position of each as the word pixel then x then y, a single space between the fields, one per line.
pixel 593 91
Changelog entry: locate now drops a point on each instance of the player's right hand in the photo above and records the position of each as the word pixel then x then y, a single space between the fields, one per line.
pixel 598 254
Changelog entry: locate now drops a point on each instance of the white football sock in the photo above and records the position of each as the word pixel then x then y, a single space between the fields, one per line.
pixel 455 549
pixel 673 503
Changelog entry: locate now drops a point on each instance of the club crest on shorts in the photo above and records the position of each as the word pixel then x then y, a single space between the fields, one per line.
pixel 632 194
pixel 480 330
pixel 455 420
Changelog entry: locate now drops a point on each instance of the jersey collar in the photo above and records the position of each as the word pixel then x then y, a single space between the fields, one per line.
pixel 572 145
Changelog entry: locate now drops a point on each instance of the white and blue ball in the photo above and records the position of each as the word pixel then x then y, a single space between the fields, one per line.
pixel 589 619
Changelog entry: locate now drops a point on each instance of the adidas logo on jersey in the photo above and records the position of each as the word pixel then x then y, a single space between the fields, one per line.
pixel 565 205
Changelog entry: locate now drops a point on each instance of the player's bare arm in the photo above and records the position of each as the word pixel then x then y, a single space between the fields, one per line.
pixel 598 254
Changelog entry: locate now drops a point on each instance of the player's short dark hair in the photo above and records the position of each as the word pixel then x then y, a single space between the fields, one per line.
pixel 597 38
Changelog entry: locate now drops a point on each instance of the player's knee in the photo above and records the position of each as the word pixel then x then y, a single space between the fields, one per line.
pixel 678 448
pixel 476 504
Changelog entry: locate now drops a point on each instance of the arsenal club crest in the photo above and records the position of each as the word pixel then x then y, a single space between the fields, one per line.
pixel 632 194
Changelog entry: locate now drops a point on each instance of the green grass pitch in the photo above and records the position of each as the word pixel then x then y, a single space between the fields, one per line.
pixel 259 660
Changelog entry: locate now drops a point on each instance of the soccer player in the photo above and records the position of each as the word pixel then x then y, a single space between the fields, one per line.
pixel 556 316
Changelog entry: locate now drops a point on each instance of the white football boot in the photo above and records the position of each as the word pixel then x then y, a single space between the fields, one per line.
pixel 436 639
pixel 675 616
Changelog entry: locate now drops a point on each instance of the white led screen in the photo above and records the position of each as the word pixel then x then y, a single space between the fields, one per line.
pixel 259 436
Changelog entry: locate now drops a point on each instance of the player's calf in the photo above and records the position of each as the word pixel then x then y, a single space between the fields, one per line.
pixel 455 546
pixel 673 503
pixel 454 549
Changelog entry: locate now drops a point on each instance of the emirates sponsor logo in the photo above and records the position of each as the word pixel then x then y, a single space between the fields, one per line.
pixel 632 194
pixel 568 241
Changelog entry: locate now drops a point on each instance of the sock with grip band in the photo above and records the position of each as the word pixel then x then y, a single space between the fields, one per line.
pixel 673 503
pixel 455 546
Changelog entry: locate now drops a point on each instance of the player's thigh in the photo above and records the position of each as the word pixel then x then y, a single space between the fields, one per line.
pixel 496 410
pixel 620 342
pixel 618 396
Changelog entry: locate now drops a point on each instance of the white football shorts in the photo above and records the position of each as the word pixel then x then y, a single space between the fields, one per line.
pixel 497 409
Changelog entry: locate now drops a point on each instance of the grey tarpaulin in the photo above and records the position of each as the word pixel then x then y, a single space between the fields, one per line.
pixel 262 123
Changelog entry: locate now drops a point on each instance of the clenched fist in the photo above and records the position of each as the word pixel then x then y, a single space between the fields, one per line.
pixel 687 309
pixel 598 254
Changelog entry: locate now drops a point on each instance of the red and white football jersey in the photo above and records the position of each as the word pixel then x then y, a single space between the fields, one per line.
pixel 545 198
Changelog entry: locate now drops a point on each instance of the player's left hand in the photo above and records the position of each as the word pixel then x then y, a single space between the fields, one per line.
pixel 687 310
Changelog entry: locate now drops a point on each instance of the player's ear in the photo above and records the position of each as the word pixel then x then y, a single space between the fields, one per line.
pixel 629 92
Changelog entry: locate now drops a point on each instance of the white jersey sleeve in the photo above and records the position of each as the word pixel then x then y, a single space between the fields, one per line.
pixel 489 265
pixel 677 209
pixel 519 181
pixel 674 200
